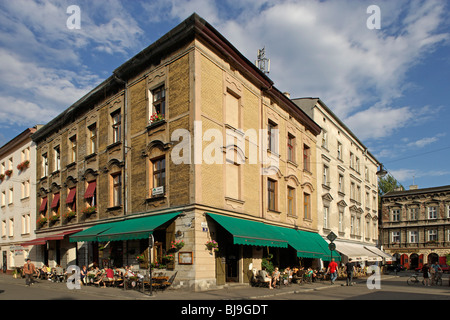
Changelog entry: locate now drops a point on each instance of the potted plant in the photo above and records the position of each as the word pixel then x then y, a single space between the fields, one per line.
pixel 176 245
pixel 212 245
pixel 156 117
pixel 54 218
pixel 41 221
pixel 70 215
pixel 89 210
pixel 141 258
pixel 8 172
pixel 2 177
pixel 23 165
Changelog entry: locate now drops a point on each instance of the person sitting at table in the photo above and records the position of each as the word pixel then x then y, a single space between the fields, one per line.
pixel 265 276
pixel 288 272
pixel 83 275
pixel 275 276
pixel 100 278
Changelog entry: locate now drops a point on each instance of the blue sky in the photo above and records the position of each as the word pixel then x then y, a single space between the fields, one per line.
pixel 390 86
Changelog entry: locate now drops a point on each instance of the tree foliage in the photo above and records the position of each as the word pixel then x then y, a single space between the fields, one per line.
pixel 387 184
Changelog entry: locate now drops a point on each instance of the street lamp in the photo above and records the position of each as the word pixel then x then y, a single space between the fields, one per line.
pixel 382 172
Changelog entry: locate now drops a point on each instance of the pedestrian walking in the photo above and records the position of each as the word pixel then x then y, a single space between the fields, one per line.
pixel 29 270
pixel 349 268
pixel 332 270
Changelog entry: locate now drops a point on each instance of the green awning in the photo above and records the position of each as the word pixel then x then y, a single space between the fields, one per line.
pixel 252 233
pixel 307 244
pixel 324 245
pixel 130 229
pixel 90 234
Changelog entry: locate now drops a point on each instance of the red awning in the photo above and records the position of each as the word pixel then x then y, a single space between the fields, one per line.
pixel 55 201
pixel 43 204
pixel 43 240
pixel 71 196
pixel 90 191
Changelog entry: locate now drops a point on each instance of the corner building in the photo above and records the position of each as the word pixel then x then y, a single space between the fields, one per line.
pixel 187 141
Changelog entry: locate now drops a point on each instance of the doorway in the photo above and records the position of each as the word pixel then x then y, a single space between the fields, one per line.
pixel 414 259
pixel 232 263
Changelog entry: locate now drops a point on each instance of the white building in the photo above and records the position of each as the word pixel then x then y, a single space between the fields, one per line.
pixel 17 200
pixel 347 186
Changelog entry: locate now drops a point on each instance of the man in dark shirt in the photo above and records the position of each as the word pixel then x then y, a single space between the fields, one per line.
pixel 349 268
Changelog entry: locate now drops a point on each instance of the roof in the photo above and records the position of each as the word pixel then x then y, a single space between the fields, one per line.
pixel 308 104
pixel 18 140
pixel 416 191
pixel 191 28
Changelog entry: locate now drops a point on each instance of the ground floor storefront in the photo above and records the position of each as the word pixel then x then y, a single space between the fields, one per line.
pixel 412 260
pixel 205 249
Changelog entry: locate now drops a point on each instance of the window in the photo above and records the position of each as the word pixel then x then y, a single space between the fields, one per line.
pixel 352 225
pixel 3 198
pixel 367 229
pixel 159 101
pixel 324 139
pixel 413 237
pixel 306 157
pixel 44 167
pixel 57 158
pixel 352 191
pixel 352 160
pixel 11 227
pixel 73 149
pixel 55 204
pixel 357 165
pixel 358 226
pixel 395 215
pixel 366 174
pixel 414 213
pixel 272 133
pixel 307 206
pixel 291 148
pixel 341 183
pixel 291 201
pixel 271 192
pixel 26 223
pixel 3 228
pixel 432 212
pixel 159 172
pixel 432 235
pixel 232 176
pixel 325 175
pixel 339 151
pixel 71 200
pixel 11 196
pixel 341 220
pixel 91 193
pixel 92 138
pixel 117 189
pixel 10 163
pixel 325 217
pixel 116 126
pixel 395 236
pixel 232 110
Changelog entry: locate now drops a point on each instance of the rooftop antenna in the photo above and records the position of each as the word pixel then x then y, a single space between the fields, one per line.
pixel 262 62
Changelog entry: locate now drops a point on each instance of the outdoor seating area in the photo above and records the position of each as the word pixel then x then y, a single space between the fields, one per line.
pixel 123 278
pixel 298 275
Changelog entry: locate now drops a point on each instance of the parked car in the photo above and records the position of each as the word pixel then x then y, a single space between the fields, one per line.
pixel 394 267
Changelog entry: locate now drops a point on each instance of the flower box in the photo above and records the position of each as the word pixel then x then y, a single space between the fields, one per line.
pixel 41 221
pixel 8 173
pixel 70 215
pixel 176 245
pixel 89 210
pixel 23 165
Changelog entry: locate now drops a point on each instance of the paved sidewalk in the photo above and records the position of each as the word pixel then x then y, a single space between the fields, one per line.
pixel 228 292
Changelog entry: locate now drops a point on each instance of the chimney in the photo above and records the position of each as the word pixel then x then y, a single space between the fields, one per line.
pixel 413 187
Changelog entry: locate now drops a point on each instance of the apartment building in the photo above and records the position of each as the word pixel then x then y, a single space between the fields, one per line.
pixel 188 142
pixel 17 200
pixel 347 186
pixel 416 225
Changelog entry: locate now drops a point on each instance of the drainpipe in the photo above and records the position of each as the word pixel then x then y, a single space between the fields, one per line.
pixel 124 146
